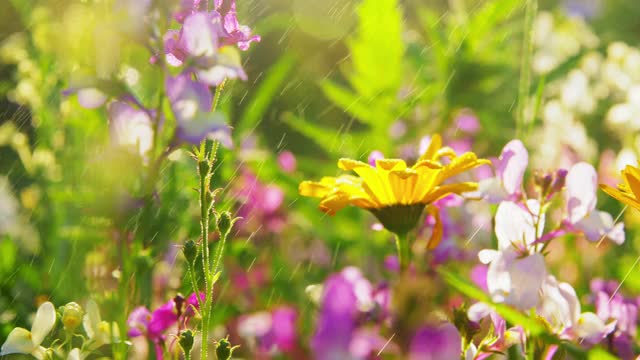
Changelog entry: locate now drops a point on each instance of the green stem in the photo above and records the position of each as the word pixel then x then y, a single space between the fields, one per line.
pixel 525 65
pixel 216 98
pixel 404 251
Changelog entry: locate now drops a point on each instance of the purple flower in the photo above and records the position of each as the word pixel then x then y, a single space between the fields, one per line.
pixel 337 321
pixel 191 104
pixel 467 123
pixel 259 203
pixel 612 305
pixel 275 330
pixel 130 127
pixel 142 322
pixel 197 44
pixel 440 342
pixel 287 161
pixel 234 33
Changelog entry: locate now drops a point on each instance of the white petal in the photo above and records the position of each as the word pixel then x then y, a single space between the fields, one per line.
pixel 471 353
pixel 43 323
pixel 591 328
pixel 91 319
pixel 491 190
pixel 74 354
pixel 515 225
pixel 18 342
pixel 487 255
pixel 600 224
pixel 513 163
pixel 580 193
pixel 527 275
pixel 478 311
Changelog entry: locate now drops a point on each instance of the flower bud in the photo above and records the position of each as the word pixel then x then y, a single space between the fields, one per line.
pixel 186 341
pixel 224 350
pixel 190 251
pixel 225 223
pixel 72 314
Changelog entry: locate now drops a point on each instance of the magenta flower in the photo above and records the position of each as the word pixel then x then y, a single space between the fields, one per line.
pixel 260 204
pixel 287 161
pixel 440 342
pixel 152 325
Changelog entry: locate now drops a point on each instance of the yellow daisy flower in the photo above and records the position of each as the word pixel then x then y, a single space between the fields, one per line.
pixel 394 192
pixel 629 191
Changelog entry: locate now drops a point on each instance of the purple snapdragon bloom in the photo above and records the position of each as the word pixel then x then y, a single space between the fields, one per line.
pixel 612 305
pixel 440 342
pixel 191 104
pixel 225 14
pixel 130 127
pixel 152 325
pixel 234 33
pixel 275 330
pixel 346 300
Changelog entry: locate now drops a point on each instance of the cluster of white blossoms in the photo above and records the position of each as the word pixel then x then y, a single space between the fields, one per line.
pixel 600 83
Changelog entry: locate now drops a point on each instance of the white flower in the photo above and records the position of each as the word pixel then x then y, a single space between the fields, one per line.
pixel 515 275
pixel 23 341
pixel 100 332
pixel 561 308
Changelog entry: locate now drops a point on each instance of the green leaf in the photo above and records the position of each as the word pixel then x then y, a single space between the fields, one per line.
pixel 600 354
pixel 511 315
pixel 366 110
pixel 265 93
pixel 377 49
pixel 329 140
pixel 8 259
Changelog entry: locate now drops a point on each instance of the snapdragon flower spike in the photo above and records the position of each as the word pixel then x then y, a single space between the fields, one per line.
pixel 23 341
pixel 581 199
pixel 191 104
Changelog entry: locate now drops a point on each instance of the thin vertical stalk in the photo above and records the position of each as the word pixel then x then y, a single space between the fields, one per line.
pixel 525 66
pixel 404 251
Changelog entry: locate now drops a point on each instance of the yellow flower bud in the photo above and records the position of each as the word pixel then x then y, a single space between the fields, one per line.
pixel 72 314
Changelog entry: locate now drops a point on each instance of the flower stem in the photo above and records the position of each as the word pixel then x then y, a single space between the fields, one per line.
pixel 404 251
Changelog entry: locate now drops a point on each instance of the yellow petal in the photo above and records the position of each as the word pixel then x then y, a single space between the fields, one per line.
pixel 620 196
pixel 434 146
pixel 313 189
pixel 391 164
pixel 437 231
pixel 444 190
